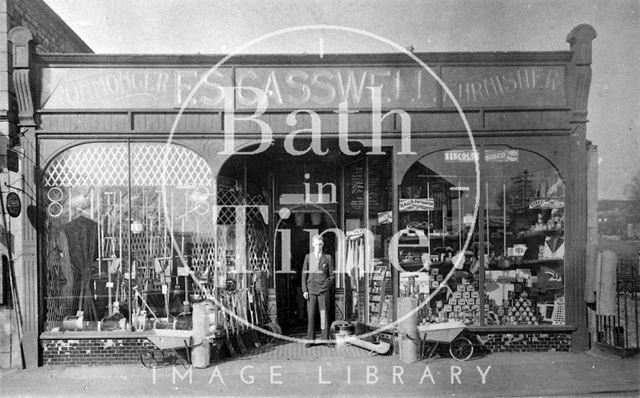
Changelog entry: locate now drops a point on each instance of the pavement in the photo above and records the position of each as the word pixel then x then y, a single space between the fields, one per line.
pixel 292 370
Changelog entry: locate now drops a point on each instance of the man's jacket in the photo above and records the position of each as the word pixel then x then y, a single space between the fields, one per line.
pixel 317 279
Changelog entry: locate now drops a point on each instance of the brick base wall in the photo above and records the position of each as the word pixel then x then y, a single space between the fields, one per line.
pixel 94 351
pixel 116 351
pixel 526 342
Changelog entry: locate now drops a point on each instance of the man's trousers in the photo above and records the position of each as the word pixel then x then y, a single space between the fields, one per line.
pixel 321 302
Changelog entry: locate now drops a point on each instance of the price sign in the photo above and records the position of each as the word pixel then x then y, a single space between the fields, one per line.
pixel 14 206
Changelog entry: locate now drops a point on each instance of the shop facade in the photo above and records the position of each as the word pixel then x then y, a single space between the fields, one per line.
pixel 146 206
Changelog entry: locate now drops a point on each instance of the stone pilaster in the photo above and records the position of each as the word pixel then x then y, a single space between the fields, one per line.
pixel 26 247
pixel 578 84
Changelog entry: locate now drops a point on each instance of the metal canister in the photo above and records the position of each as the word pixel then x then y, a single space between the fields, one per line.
pixel 343 331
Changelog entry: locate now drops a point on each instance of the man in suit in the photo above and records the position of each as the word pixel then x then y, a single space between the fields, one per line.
pixel 317 281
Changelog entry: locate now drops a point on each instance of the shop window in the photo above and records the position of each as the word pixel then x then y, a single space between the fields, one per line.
pixel 524 204
pixel 379 187
pixel 437 249
pixel 520 248
pixel 101 267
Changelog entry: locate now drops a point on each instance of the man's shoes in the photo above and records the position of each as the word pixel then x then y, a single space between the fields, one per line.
pixel 308 345
pixel 331 345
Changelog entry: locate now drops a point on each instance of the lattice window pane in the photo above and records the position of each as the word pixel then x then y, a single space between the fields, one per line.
pixel 89 165
pixel 180 166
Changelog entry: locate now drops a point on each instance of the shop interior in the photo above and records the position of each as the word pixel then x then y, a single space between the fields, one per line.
pixel 241 237
pixel 514 256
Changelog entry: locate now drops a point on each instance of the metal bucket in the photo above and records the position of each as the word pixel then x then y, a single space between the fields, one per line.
pixel 341 331
pixel 73 322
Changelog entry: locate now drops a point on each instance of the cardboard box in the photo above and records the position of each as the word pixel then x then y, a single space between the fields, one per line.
pixel 460 288
pixel 466 295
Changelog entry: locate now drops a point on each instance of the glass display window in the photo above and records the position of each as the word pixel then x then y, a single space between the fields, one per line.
pixel 437 246
pixel 518 250
pixel 380 219
pixel 133 232
pixel 524 203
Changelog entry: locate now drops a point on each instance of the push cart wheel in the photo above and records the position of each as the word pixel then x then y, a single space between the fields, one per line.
pixel 461 349
pixel 148 359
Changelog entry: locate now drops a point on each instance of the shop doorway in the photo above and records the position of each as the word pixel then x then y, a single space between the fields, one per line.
pixel 306 196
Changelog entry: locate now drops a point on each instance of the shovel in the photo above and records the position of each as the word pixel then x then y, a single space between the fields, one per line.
pixel 238 328
pixel 228 342
pixel 249 332
pixel 236 340
pixel 254 321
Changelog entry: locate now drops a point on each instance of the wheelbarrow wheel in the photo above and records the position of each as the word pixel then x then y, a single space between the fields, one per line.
pixel 461 349
pixel 148 359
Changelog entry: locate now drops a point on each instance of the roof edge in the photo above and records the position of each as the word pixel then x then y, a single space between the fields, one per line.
pixel 68 59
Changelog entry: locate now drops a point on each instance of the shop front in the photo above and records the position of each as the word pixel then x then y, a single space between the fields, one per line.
pixel 161 184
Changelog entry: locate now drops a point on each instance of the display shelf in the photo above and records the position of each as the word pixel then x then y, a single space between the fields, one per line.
pixel 526 264
pixel 542 261
pixel 521 328
pixel 378 292
pixel 542 232
pixel 105 334
pixel 437 235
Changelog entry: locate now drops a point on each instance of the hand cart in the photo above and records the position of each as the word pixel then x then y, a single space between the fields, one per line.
pixel 448 333
pixel 168 341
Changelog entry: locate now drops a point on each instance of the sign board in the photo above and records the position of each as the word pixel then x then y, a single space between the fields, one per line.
pixel 126 88
pixel 461 155
pixel 13 161
pixel 480 86
pixel 14 205
pixel 305 87
pixel 501 155
pixel 417 204
pixel 298 88
pixel 546 203
pixel 327 87
pixel 490 155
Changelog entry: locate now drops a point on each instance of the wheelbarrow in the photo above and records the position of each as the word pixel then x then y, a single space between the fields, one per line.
pixel 445 334
pixel 167 342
